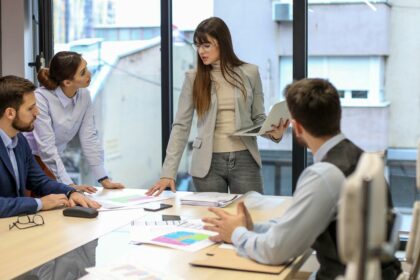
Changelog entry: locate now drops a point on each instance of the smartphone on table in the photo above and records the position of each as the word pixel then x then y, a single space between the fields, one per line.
pixel 156 206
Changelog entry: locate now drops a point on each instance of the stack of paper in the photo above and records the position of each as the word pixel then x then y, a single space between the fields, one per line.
pixel 210 199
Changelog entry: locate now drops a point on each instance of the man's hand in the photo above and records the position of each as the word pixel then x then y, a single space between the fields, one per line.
pixel 84 188
pixel 108 184
pixel 161 185
pixel 52 201
pixel 277 132
pixel 79 199
pixel 226 223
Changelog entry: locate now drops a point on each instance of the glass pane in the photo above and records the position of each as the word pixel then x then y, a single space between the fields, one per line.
pixel 265 39
pixel 187 14
pixel 121 44
pixel 370 60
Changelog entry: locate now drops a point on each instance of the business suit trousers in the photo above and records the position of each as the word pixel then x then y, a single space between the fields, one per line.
pixel 234 172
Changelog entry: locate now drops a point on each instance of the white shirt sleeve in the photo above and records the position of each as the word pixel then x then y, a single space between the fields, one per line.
pixel 91 145
pixel 313 207
pixel 45 138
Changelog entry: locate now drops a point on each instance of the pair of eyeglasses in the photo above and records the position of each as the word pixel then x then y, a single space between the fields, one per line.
pixel 27 221
pixel 204 46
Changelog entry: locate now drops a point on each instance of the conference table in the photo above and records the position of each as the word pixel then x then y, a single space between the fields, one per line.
pixel 24 250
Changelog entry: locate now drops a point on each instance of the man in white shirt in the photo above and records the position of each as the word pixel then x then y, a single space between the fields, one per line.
pixel 314 105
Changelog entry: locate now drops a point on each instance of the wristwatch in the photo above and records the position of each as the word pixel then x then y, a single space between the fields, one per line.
pixel 68 194
pixel 102 179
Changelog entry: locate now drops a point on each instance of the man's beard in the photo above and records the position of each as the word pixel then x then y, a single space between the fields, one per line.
pixel 22 127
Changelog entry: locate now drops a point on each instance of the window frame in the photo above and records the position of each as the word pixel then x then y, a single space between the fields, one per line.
pixel 300 60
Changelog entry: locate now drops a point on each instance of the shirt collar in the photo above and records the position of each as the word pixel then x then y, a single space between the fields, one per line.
pixel 64 99
pixel 9 143
pixel 324 149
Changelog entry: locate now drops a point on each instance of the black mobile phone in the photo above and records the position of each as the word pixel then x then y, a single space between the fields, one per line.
pixel 156 206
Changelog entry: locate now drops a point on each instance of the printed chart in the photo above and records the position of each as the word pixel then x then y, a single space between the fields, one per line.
pixel 176 237
pixel 181 238
pixel 126 200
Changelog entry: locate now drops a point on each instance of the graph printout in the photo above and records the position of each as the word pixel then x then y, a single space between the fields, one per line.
pixel 177 237
pixel 125 200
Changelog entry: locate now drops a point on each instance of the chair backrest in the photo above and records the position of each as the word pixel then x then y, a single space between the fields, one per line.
pixel 362 218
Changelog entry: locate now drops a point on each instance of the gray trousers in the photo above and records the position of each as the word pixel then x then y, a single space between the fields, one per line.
pixel 234 172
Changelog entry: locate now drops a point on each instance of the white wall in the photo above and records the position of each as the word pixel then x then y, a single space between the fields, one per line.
pixel 403 74
pixel 16 38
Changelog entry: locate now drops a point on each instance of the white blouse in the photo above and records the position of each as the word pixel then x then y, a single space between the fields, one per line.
pixel 60 119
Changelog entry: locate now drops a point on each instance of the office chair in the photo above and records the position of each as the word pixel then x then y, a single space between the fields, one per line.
pixel 362 221
pixel 412 252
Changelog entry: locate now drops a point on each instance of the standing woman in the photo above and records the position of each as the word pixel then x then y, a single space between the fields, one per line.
pixel 226 93
pixel 65 110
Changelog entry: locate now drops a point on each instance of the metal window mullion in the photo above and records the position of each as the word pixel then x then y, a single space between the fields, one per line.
pixel 300 63
pixel 166 72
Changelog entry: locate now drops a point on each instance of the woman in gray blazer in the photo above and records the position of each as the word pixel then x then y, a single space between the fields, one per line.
pixel 226 93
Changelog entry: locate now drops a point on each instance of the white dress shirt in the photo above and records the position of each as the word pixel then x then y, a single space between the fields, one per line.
pixel 314 206
pixel 10 144
pixel 60 119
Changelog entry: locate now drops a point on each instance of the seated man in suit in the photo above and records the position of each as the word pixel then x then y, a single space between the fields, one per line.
pixel 18 168
pixel 310 221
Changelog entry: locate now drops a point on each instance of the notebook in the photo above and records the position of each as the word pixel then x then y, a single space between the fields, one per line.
pixel 227 258
pixel 278 111
pixel 209 199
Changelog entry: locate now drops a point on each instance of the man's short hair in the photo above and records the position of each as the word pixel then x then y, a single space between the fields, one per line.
pixel 12 89
pixel 315 104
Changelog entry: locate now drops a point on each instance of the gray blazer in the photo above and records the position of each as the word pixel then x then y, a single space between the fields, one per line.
pixel 247 112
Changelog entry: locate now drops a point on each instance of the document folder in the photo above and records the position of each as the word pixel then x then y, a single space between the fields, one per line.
pixel 228 259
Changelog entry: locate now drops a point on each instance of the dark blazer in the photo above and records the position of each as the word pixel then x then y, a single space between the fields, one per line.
pixel 31 177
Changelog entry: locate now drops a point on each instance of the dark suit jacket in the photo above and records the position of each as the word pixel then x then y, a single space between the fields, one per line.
pixel 13 203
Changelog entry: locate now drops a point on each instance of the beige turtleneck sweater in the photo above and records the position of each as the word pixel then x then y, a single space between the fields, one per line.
pixel 225 119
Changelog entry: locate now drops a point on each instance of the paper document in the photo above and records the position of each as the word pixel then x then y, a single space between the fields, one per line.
pixel 125 200
pixel 184 223
pixel 187 236
pixel 209 199
pixel 126 271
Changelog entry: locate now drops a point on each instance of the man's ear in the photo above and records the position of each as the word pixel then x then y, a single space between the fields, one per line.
pixel 10 113
pixel 297 127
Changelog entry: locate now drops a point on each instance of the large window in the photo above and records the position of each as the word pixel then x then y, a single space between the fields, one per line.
pixel 372 62
pixel 120 41
pixel 255 40
pixel 368 60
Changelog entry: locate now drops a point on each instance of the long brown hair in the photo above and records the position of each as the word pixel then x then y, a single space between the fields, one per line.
pixel 216 28
pixel 63 66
